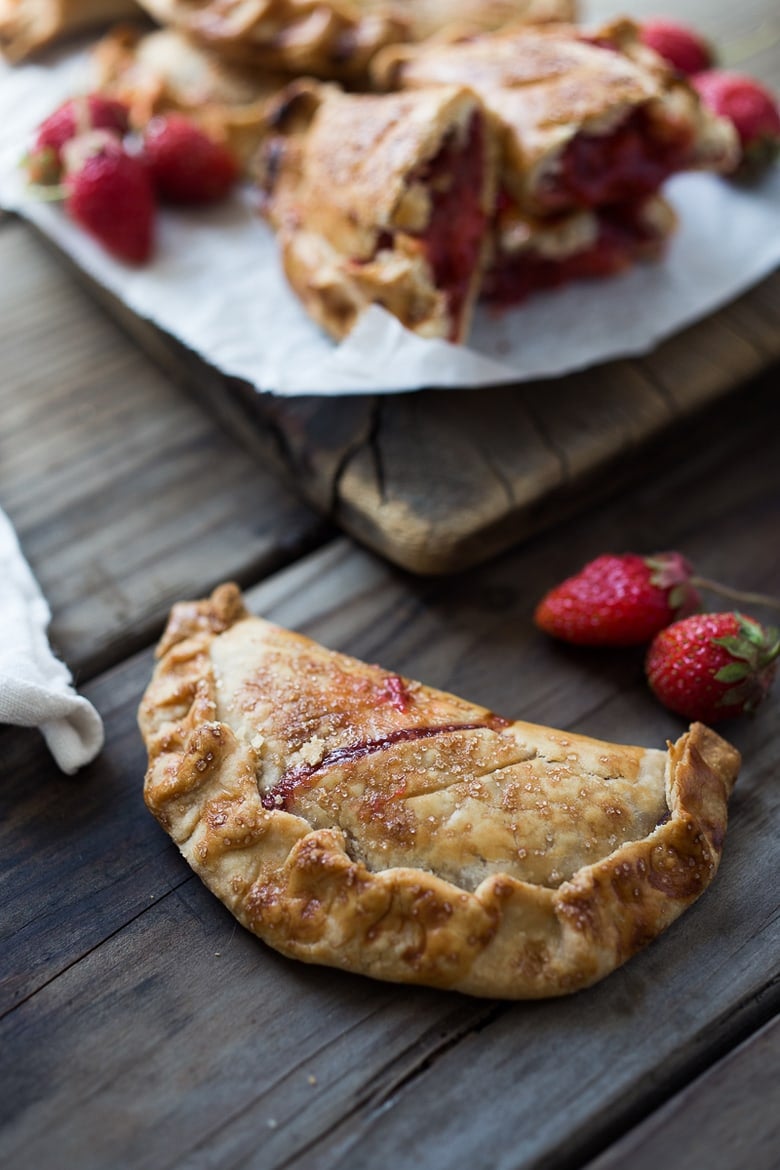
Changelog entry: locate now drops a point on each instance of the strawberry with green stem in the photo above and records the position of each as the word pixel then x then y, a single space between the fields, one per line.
pixel 76 116
pixel 713 666
pixel 624 600
pixel 619 600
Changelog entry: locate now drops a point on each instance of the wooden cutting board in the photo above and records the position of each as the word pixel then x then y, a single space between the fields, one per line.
pixel 440 480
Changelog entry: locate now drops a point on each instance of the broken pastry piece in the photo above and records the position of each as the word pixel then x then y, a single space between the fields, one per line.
pixel 382 200
pixel 531 255
pixel 583 119
pixel 165 72
pixel 353 818
pixel 29 25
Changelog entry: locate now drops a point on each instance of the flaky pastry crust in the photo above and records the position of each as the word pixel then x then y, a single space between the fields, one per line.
pixel 335 39
pixel 26 26
pixel 352 818
pixel 543 86
pixel 344 192
pixel 164 71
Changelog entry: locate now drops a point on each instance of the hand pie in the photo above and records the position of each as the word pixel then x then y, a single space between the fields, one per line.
pixel 163 71
pixel 353 818
pixel 530 255
pixel 325 38
pixel 584 119
pixel 335 38
pixel 382 200
pixel 29 25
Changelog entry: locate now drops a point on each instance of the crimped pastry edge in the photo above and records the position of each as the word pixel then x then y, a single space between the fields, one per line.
pixel 298 890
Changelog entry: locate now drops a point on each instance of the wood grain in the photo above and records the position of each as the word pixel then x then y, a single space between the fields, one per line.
pixel 441 480
pixel 726 1118
pixel 123 492
pixel 142 1028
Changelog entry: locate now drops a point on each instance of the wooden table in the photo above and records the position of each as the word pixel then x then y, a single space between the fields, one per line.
pixel 141 1027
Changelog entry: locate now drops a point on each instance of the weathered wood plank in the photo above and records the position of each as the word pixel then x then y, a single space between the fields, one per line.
pixel 441 480
pixel 149 1031
pixel 122 490
pixel 726 1118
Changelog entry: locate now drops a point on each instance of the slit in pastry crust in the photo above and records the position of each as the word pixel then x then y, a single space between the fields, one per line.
pixel 422 838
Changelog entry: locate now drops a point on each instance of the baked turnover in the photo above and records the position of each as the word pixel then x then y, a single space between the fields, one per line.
pixel 335 38
pixel 584 119
pixel 353 818
pixel 331 39
pixel 29 25
pixel 382 199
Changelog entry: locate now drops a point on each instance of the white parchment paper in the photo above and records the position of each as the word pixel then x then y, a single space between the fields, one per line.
pixel 215 282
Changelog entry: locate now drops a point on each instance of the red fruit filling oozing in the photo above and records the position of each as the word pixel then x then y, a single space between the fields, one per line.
pixel 623 237
pixel 303 776
pixel 454 236
pixel 630 163
pixel 452 241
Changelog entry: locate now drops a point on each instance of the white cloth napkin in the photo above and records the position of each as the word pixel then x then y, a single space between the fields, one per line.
pixel 35 687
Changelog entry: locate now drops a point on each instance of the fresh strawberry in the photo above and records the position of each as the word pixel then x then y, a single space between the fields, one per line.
pixel 74 117
pixel 186 165
pixel 751 107
pixel 681 46
pixel 619 600
pixel 713 666
pixel 110 194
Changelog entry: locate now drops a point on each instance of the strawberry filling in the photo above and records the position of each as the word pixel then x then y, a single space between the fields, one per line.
pixel 630 163
pixel 303 777
pixel 452 241
pixel 623 237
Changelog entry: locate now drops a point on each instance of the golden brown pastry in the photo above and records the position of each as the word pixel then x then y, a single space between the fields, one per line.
pixel 29 25
pixel 382 200
pixel 351 817
pixel 434 17
pixel 335 38
pixel 584 119
pixel 164 71
pixel 332 39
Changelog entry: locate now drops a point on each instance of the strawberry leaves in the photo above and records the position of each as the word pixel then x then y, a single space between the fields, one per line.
pixel 713 666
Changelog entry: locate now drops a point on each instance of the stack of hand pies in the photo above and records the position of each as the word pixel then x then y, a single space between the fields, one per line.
pixel 419 154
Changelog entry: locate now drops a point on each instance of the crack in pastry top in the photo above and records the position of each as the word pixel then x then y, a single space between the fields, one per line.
pixel 417 778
